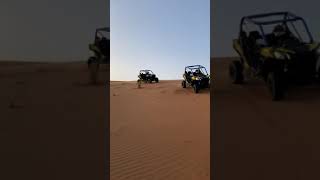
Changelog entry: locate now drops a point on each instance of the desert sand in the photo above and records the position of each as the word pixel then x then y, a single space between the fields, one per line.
pixel 256 138
pixel 160 131
pixel 52 122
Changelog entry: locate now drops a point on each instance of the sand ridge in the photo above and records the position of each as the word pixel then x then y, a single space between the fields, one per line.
pixel 160 131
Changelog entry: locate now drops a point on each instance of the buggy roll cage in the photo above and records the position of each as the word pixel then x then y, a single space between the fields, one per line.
pixel 146 70
pixel 195 67
pixel 100 30
pixel 283 18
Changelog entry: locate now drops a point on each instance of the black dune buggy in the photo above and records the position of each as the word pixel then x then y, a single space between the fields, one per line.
pixel 197 77
pixel 101 49
pixel 276 47
pixel 147 76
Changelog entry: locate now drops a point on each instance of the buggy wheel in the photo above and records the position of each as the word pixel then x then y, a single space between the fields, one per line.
pixel 94 70
pixel 89 61
pixel 156 80
pixel 236 72
pixel 318 75
pixel 274 84
pixel 139 83
pixel 183 84
pixel 196 88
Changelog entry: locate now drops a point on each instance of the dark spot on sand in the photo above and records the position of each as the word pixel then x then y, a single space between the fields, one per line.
pixel 13 105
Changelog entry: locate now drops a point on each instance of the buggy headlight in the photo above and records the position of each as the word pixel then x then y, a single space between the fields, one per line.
pixel 288 56
pixel 279 55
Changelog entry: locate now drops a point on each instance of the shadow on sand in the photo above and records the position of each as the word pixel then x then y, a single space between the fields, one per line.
pixel 304 93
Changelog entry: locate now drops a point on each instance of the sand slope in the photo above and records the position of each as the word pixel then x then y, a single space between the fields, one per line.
pixel 160 131
pixel 261 139
pixel 51 122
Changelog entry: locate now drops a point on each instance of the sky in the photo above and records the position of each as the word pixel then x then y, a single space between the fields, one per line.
pixel 161 35
pixel 226 15
pixel 50 30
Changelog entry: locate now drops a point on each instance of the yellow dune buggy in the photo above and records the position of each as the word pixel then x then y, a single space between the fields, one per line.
pixel 197 77
pixel 276 47
pixel 101 49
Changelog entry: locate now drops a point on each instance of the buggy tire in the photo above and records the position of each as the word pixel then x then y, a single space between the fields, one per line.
pixel 236 72
pixel 156 80
pixel 94 70
pixel 275 86
pixel 196 88
pixel 183 84
pixel 317 79
pixel 90 61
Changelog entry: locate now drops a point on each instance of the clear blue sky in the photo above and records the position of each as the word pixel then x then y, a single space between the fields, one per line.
pixel 161 35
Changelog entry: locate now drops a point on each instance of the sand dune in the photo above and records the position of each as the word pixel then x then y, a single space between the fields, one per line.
pixel 261 139
pixel 51 122
pixel 160 131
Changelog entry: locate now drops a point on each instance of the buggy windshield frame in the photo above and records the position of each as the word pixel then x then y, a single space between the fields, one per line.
pixel 101 32
pixel 282 17
pixel 145 71
pixel 195 67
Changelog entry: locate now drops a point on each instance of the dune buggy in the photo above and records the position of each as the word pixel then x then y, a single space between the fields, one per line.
pixel 197 77
pixel 147 76
pixel 276 47
pixel 101 49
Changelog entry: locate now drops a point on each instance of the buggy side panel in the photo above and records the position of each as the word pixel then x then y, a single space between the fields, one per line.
pixel 95 49
pixel 313 46
pixel 267 52
pixel 237 47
